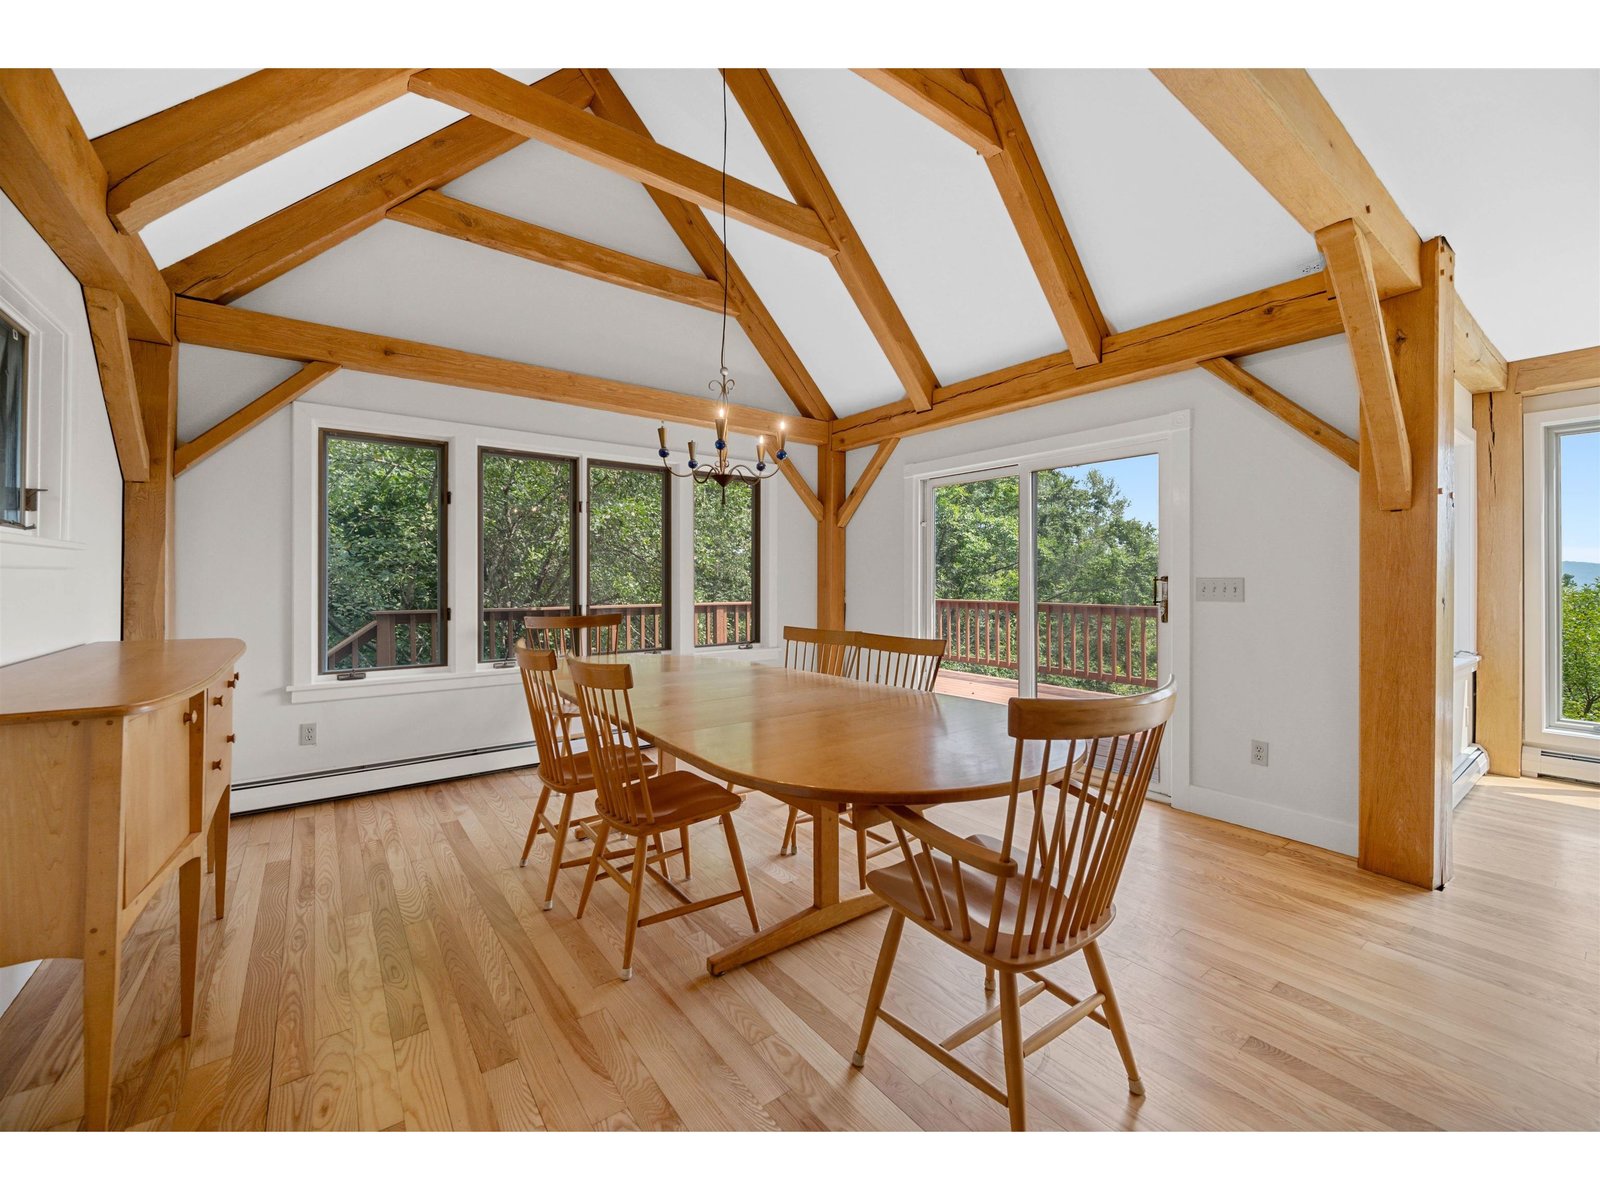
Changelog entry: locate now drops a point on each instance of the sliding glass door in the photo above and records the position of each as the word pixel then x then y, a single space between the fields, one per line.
pixel 976 584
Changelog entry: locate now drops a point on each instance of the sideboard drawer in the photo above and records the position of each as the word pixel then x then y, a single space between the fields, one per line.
pixel 217 769
pixel 157 806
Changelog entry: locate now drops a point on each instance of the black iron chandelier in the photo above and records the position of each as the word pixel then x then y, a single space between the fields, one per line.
pixel 718 470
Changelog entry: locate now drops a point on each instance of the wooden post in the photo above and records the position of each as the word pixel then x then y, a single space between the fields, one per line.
pixel 830 539
pixel 1497 419
pixel 1407 599
pixel 147 506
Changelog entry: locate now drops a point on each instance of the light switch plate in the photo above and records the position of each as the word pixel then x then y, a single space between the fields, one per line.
pixel 1229 589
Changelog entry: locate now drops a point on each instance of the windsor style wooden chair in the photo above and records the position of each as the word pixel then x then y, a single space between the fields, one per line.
pixel 572 634
pixel 825 651
pixel 562 769
pixel 903 662
pixel 1037 895
pixel 638 807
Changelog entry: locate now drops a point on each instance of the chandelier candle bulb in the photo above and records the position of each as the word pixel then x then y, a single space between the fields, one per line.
pixel 761 453
pixel 781 454
pixel 722 429
pixel 692 463
pixel 662 435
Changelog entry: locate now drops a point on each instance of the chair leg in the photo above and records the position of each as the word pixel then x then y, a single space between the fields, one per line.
pixel 1011 1039
pixel 633 907
pixel 533 825
pixel 880 984
pixel 791 841
pixel 559 853
pixel 684 833
pixel 988 981
pixel 1102 984
pixel 594 867
pixel 738 867
pixel 861 852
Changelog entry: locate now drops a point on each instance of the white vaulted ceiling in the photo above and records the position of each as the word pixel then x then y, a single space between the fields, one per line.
pixel 1506 164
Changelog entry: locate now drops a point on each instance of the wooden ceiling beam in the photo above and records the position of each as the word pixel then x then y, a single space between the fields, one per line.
pixel 1337 443
pixel 494 97
pixel 1565 372
pixel 438 213
pixel 53 176
pixel 158 164
pixel 252 414
pixel 1350 274
pixel 946 97
pixel 879 460
pixel 274 245
pixel 108 330
pixel 1029 199
pixel 1283 315
pixel 801 488
pixel 1283 131
pixel 1479 365
pixel 709 253
pixel 802 174
pixel 223 328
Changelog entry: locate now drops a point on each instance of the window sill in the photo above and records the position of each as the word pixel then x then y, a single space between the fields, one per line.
pixel 27 550
pixel 375 686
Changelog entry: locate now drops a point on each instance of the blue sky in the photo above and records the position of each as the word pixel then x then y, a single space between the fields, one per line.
pixel 1580 497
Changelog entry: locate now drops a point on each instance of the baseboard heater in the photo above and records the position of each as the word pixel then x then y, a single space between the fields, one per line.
pixel 1562 764
pixel 340 783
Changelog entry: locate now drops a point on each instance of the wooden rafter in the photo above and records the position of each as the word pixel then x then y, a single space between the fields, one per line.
pixel 260 253
pixel 1283 315
pixel 1565 372
pixel 502 100
pixel 251 415
pixel 108 330
pixel 1337 443
pixel 709 253
pixel 53 176
pixel 166 160
pixel 1283 131
pixel 1043 230
pixel 869 476
pixel 223 328
pixel 1349 270
pixel 830 540
pixel 439 213
pixel 148 506
pixel 801 488
pixel 802 175
pixel 946 97
pixel 1497 712
pixel 1479 365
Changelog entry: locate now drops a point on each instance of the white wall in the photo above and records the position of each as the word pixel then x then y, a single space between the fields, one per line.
pixel 235 560
pixel 58 592
pixel 1267 505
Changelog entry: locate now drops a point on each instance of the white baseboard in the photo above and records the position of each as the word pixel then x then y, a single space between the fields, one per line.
pixel 1536 760
pixel 259 795
pixel 1338 836
pixel 1472 769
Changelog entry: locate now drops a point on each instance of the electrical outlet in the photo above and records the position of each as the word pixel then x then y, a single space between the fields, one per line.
pixel 1229 589
pixel 308 734
pixel 1258 753
pixel 1313 267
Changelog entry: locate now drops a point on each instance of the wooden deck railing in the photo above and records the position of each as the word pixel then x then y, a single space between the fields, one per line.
pixel 405 637
pixel 1111 643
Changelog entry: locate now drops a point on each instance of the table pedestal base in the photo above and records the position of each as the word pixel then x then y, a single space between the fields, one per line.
pixel 806 923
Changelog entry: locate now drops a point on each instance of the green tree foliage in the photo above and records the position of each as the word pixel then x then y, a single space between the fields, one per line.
pixel 975 540
pixel 527 544
pixel 384 537
pixel 627 514
pixel 1580 650
pixel 724 555
pixel 1090 551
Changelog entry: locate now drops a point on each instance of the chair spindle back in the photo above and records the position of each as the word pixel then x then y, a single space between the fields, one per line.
pixel 622 788
pixel 822 651
pixel 1065 844
pixel 550 730
pixel 902 662
pixel 570 635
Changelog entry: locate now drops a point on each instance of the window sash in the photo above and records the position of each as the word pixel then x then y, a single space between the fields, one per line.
pixel 751 626
pixel 1554 659
pixel 14 343
pixel 488 631
pixel 661 624
pixel 440 632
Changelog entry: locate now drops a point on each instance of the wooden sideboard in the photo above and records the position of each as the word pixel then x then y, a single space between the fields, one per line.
pixel 118 762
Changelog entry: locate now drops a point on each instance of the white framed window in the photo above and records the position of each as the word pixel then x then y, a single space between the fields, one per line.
pixel 510 494
pixel 1561 602
pixel 34 430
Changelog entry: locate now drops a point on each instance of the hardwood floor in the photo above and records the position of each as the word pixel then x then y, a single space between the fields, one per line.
pixel 385 964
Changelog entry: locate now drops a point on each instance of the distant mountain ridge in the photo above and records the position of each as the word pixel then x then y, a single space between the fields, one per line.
pixel 1584 572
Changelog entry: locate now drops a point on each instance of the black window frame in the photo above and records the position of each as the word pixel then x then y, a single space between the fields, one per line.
pixel 579 584
pixel 590 605
pixel 442 636
pixel 755 572
pixel 12 329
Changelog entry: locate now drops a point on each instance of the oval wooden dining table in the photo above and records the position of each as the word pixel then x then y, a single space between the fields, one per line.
pixel 820 743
